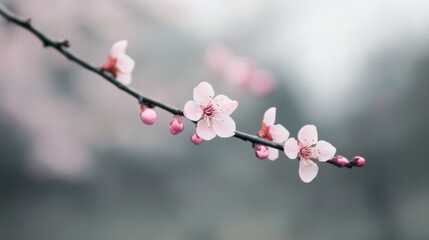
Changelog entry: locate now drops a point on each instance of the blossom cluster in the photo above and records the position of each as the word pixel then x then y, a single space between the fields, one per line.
pixel 212 115
pixel 239 71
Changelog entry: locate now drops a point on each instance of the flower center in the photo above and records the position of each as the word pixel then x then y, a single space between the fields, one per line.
pixel 110 66
pixel 209 110
pixel 210 113
pixel 265 132
pixel 306 153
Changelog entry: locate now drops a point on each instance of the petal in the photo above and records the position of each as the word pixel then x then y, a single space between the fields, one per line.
pixel 224 104
pixel 325 151
pixel 270 116
pixel 291 148
pixel 125 64
pixel 203 93
pixel 308 135
pixel 279 133
pixel 224 126
pixel 307 170
pixel 118 48
pixel 124 78
pixel 273 154
pixel 192 111
pixel 204 131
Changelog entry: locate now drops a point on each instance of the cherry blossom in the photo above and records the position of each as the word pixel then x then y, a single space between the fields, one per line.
pixel 358 161
pixel 272 132
pixel 211 113
pixel 119 64
pixel 307 149
pixel 262 82
pixel 176 125
pixel 196 139
pixel 239 71
pixel 261 151
pixel 147 115
pixel 341 161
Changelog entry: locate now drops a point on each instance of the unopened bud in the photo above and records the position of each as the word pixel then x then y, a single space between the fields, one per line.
pixel 358 161
pixel 340 161
pixel 196 139
pixel 261 151
pixel 176 125
pixel 147 115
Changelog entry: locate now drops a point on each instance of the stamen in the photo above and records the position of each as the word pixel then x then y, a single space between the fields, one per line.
pixel 211 114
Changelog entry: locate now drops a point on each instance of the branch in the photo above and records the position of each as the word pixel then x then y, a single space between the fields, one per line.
pixel 62 46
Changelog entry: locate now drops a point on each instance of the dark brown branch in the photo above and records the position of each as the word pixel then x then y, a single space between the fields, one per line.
pixel 62 46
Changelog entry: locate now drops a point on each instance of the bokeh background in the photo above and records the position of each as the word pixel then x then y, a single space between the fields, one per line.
pixel 77 163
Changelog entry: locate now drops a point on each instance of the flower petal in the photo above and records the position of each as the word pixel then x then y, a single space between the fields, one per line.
pixel 224 126
pixel 124 78
pixel 273 154
pixel 224 104
pixel 279 133
pixel 270 116
pixel 325 151
pixel 291 148
pixel 308 135
pixel 192 111
pixel 204 131
pixel 203 93
pixel 118 48
pixel 307 170
pixel 125 64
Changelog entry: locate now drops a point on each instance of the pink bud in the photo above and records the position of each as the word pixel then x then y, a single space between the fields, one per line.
pixel 196 139
pixel 147 115
pixel 341 161
pixel 261 151
pixel 358 161
pixel 176 125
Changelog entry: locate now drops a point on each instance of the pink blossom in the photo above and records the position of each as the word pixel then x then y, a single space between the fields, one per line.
pixel 196 139
pixel 245 73
pixel 176 125
pixel 211 113
pixel 358 161
pixel 262 82
pixel 147 115
pixel 307 149
pixel 119 64
pixel 261 151
pixel 239 71
pixel 340 161
pixel 276 133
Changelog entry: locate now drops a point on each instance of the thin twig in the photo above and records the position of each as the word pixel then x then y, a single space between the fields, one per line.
pixel 62 46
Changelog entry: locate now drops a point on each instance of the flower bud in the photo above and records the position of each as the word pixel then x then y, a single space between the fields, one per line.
pixel 147 115
pixel 340 161
pixel 176 125
pixel 358 161
pixel 196 139
pixel 261 151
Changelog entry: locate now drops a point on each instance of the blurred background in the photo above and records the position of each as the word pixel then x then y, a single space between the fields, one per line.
pixel 77 163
